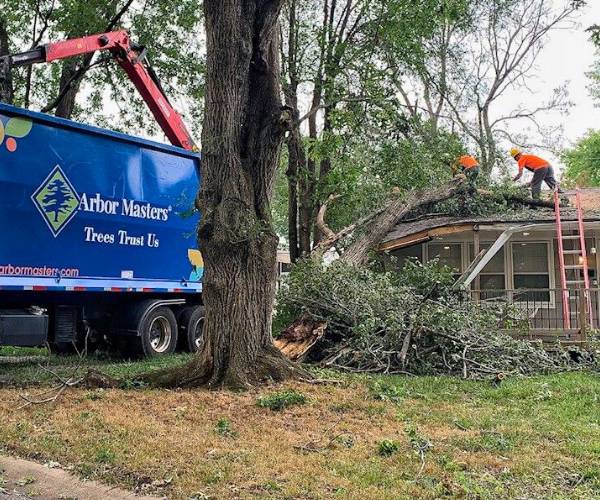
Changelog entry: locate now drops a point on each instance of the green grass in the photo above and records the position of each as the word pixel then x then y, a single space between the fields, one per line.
pixel 23 351
pixel 30 373
pixel 278 401
pixel 536 437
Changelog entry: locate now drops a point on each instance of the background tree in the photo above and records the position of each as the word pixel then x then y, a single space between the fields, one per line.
pixel 583 161
pixel 334 84
pixel 93 89
pixel 480 53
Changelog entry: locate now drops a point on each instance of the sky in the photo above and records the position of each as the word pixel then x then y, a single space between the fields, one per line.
pixel 567 55
pixel 565 58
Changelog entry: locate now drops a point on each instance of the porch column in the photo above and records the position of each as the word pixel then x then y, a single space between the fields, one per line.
pixel 476 250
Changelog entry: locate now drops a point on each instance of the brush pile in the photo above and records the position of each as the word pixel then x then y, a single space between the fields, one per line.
pixel 412 322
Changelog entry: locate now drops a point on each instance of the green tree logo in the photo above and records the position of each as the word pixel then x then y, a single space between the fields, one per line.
pixel 57 200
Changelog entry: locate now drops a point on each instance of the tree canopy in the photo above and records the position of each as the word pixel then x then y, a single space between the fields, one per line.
pixel 583 161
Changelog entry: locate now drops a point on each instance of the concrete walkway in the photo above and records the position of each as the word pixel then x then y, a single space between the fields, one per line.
pixel 22 480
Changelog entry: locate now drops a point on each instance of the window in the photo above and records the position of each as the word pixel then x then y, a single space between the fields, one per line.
pixel 492 277
pixel 402 255
pixel 531 271
pixel 449 254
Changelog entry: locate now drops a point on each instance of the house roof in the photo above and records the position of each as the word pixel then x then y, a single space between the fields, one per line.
pixel 590 198
pixel 409 233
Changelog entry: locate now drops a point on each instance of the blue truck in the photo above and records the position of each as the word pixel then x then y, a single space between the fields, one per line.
pixel 98 228
pixel 98 237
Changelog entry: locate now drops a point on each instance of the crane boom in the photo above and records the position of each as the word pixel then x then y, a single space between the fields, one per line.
pixel 133 61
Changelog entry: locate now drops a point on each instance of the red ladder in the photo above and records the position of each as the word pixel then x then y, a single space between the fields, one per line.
pixel 568 283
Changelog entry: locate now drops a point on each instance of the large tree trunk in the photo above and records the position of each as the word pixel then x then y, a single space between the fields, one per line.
pixel 241 138
pixel 6 88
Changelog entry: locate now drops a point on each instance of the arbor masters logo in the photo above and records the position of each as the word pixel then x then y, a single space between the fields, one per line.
pixel 57 200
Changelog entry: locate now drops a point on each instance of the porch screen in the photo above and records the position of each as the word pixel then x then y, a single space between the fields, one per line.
pixel 531 271
pixel 402 255
pixel 449 254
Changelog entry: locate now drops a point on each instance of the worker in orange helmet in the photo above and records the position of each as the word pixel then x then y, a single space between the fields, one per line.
pixel 542 172
pixel 468 166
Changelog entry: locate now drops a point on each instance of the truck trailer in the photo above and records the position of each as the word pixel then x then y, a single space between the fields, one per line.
pixel 98 227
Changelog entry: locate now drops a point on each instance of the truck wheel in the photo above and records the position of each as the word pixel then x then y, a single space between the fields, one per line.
pixel 157 333
pixel 191 322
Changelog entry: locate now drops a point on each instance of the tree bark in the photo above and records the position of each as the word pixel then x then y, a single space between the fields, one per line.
pixel 241 138
pixel 295 146
pixel 6 88
pixel 296 163
pixel 358 252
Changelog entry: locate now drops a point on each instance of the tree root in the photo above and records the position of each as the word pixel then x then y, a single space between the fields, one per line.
pixel 270 365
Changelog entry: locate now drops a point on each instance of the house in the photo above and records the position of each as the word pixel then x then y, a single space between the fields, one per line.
pixel 520 264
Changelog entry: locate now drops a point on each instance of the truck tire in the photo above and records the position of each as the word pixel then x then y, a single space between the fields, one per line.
pixel 190 325
pixel 157 333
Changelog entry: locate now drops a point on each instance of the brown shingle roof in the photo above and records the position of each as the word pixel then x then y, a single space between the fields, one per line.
pixel 533 216
pixel 590 198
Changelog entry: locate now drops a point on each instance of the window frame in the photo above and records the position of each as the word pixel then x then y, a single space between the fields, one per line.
pixel 551 272
pixel 505 268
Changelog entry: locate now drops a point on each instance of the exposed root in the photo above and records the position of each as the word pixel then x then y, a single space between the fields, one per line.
pixel 269 366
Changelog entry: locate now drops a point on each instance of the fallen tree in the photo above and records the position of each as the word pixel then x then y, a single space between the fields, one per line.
pixel 349 317
pixel 413 322
pixel 453 198
pixel 374 226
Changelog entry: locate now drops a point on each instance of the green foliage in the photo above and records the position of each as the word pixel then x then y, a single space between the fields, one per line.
pixel 583 160
pixel 278 401
pixel 389 322
pixel 225 429
pixel 407 155
pixel 171 31
pixel 429 280
pixel 387 447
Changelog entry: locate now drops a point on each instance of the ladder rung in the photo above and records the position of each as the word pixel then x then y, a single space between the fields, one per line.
pixel 568 282
pixel 571 237
pixel 572 252
pixel 578 266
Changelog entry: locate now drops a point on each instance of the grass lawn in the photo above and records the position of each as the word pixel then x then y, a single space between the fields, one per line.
pixel 535 437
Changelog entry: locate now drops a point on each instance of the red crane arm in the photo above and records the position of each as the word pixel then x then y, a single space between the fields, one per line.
pixel 133 61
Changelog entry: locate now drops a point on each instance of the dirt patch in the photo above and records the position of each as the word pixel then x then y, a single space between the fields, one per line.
pixel 24 479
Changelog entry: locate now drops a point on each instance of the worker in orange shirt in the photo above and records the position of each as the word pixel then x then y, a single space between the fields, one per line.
pixel 542 172
pixel 468 166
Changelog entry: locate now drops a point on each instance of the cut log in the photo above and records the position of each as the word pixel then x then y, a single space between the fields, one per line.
pixel 297 340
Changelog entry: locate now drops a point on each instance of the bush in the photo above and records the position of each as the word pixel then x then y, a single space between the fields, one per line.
pixel 281 400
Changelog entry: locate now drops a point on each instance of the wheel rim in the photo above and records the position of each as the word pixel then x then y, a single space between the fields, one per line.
pixel 160 334
pixel 197 329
